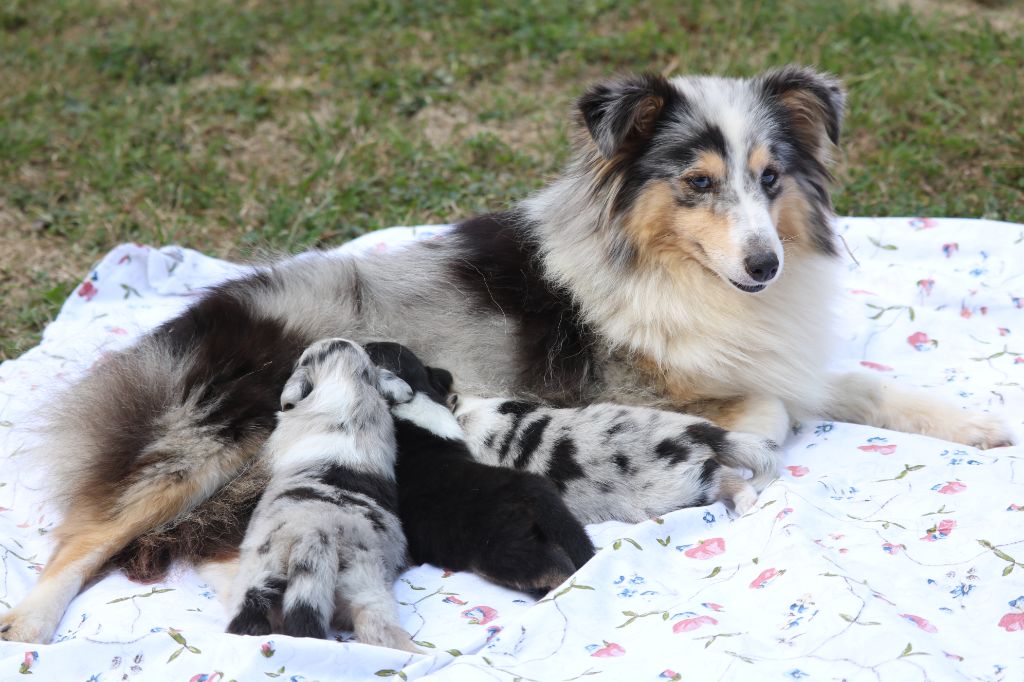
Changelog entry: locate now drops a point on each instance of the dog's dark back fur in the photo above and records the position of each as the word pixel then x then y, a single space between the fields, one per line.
pixel 508 526
pixel 502 268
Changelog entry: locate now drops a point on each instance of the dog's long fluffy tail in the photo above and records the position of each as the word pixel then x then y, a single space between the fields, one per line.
pixel 213 531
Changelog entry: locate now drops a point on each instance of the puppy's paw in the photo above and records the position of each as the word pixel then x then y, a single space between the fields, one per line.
pixel 983 431
pixel 757 454
pixel 744 500
pixel 248 624
pixel 34 628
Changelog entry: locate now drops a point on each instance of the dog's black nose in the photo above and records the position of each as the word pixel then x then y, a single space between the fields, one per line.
pixel 762 266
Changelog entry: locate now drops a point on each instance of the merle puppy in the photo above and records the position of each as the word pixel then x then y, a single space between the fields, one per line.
pixel 325 540
pixel 616 462
pixel 510 527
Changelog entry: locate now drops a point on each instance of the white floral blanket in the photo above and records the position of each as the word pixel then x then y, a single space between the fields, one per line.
pixel 876 556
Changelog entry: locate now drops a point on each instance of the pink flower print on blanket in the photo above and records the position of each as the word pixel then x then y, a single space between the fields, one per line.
pixel 693 623
pixel 1014 622
pixel 940 531
pixel 920 341
pixel 925 286
pixel 765 577
pixel 950 488
pixel 923 223
pixel 480 615
pixel 886 449
pixel 88 290
pixel 919 622
pixel 706 549
pixel 609 650
pixel 877 366
pixel 30 659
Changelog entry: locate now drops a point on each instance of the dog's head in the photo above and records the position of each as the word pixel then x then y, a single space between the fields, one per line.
pixel 725 172
pixel 434 382
pixel 333 373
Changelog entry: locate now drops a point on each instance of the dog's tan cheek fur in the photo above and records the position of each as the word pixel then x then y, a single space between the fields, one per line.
pixel 663 230
pixel 791 214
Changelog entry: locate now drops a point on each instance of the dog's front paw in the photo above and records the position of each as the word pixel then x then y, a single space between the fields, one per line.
pixel 26 627
pixel 984 431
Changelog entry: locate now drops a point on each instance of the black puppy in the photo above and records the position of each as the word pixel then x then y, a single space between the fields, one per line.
pixel 508 526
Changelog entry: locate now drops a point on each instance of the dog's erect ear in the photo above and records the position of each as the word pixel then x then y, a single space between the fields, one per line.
pixel 296 389
pixel 622 112
pixel 441 379
pixel 812 104
pixel 394 390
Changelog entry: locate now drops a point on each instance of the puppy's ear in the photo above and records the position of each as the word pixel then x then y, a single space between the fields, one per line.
pixel 620 113
pixel 811 105
pixel 296 389
pixel 394 390
pixel 441 380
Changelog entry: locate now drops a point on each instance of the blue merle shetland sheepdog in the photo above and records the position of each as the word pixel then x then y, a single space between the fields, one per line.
pixel 684 259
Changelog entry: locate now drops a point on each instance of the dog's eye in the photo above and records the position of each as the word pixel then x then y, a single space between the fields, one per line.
pixel 769 177
pixel 699 182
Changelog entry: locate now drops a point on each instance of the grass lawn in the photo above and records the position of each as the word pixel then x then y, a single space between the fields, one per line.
pixel 235 127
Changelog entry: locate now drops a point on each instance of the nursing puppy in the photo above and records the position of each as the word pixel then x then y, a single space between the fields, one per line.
pixel 325 538
pixel 684 259
pixel 616 462
pixel 508 526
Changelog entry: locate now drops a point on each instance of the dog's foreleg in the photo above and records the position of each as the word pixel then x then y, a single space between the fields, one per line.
pixel 761 415
pixel 871 400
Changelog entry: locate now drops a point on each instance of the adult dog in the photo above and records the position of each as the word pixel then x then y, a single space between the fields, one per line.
pixel 684 259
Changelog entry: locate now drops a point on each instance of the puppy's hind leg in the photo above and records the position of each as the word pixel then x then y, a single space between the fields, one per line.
pixel 375 621
pixel 733 488
pixel 364 589
pixel 260 595
pixel 312 576
pixel 870 400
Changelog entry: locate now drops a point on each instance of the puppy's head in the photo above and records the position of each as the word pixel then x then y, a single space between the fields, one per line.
pixel 336 372
pixel 434 382
pixel 724 172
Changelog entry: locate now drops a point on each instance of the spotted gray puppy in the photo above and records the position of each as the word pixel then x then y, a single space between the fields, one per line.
pixel 617 462
pixel 325 539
